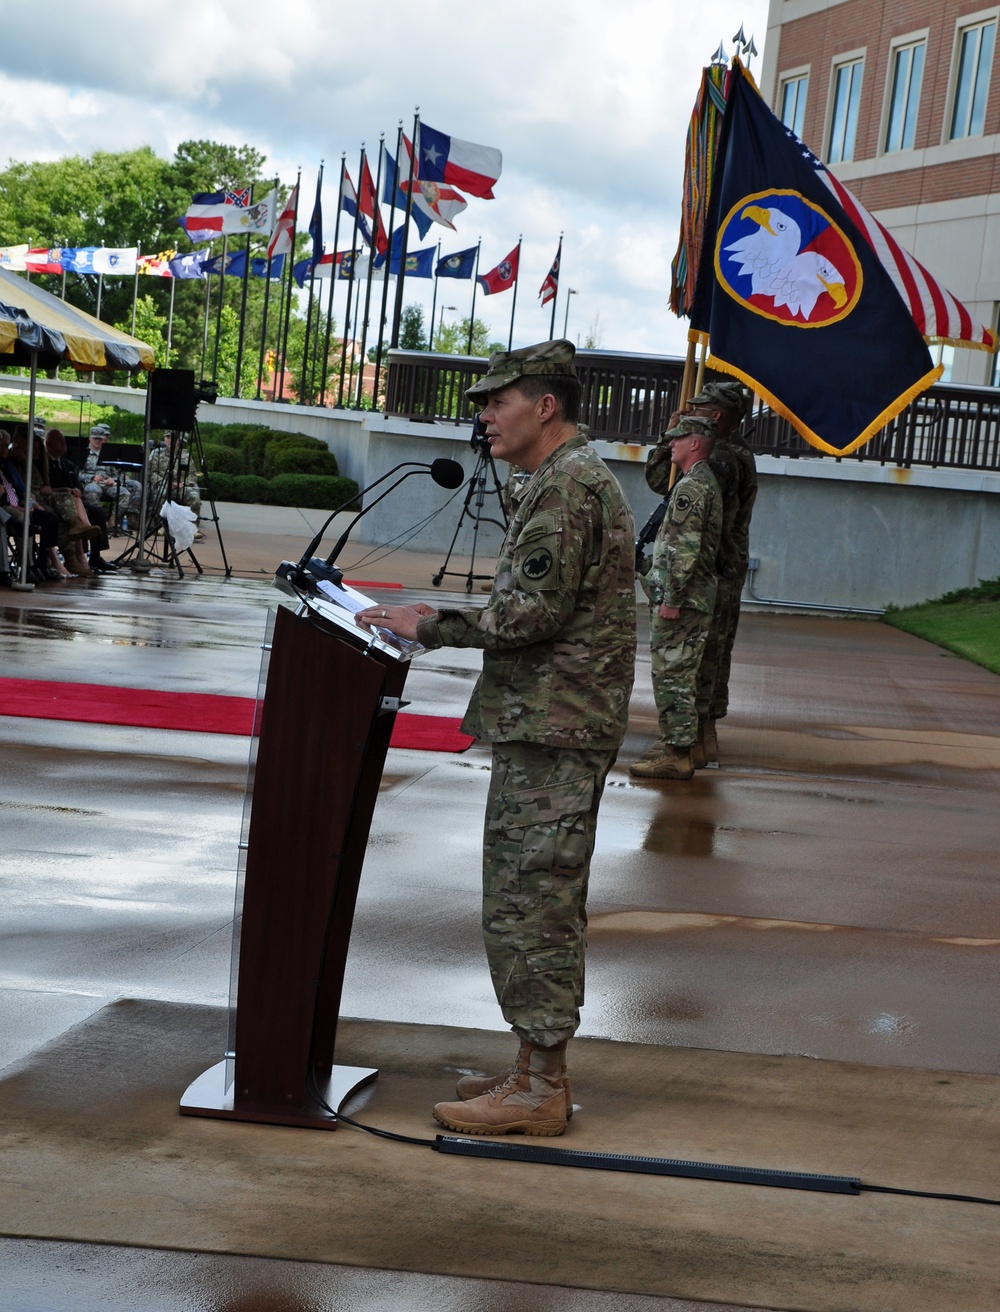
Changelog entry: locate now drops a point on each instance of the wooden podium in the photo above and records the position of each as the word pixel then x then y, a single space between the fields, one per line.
pixel 330 701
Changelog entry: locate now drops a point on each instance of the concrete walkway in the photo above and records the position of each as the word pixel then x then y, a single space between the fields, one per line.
pixel 829 891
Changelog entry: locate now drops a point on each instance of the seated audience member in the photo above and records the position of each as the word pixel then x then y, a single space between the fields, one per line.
pixel 80 523
pixel 121 498
pixel 41 520
pixel 173 460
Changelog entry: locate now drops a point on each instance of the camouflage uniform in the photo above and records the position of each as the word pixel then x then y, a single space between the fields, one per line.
pixel 558 640
pixel 735 470
pixel 683 575
pixel 738 496
pixel 187 493
pixel 124 499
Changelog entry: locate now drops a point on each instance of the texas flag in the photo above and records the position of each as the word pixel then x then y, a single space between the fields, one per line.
pixel 462 163
pixel 440 203
pixel 504 276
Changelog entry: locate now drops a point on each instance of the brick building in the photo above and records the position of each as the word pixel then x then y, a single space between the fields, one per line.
pixel 902 99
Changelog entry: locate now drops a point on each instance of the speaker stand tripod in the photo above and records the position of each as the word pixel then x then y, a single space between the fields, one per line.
pixel 473 508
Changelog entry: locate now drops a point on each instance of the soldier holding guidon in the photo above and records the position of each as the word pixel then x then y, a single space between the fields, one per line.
pixel 681 585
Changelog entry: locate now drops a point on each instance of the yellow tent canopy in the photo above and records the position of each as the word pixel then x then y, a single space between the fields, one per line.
pixel 33 320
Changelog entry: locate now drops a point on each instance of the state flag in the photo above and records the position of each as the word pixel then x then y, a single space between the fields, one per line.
pixel 464 164
pixel 40 259
pixel 435 200
pixel 461 264
pixel 106 261
pixel 349 204
pixel 391 187
pixel 284 231
pixel 219 213
pixel 188 266
pixel 13 257
pixel 503 277
pixel 550 286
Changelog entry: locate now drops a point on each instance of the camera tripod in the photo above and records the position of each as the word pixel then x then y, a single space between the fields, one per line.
pixel 184 448
pixel 473 508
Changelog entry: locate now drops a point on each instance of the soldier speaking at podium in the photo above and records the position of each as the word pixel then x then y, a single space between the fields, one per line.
pixel 558 641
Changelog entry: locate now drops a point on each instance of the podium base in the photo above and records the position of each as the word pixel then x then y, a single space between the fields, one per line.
pixel 209 1096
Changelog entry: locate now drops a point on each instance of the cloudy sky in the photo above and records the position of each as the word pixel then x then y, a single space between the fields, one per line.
pixel 588 103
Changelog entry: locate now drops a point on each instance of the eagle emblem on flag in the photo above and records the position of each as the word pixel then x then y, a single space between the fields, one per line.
pixel 783 257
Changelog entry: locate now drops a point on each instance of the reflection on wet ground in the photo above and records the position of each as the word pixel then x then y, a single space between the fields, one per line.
pixel 830 889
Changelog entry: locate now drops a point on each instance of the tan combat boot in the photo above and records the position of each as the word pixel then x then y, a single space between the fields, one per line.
pixel 531 1100
pixel 710 739
pixel 675 763
pixel 654 751
pixel 474 1086
pixel 699 756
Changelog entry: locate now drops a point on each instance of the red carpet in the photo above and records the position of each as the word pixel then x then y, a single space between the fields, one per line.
pixel 195 712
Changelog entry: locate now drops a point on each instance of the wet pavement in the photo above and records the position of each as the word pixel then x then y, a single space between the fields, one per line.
pixel 830 890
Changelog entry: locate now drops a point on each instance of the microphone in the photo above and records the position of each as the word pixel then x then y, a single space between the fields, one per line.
pixel 446 473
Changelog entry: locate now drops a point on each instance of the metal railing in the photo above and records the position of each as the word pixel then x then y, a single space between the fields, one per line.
pixel 629 398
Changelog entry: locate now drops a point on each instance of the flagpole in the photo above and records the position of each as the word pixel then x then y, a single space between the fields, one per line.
pixel 135 292
pixel 699 380
pixel 385 283
pixel 555 298
pixel 288 292
pixel 513 304
pixel 475 285
pixel 687 391
pixel 170 321
pixel 218 308
pixel 208 305
pixel 377 220
pixel 397 314
pixel 350 285
pixel 434 297
pixel 304 390
pixel 333 282
pixel 243 313
pixel 354 337
pixel 267 297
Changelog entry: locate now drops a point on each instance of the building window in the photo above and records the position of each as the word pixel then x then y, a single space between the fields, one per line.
pixel 907 75
pixel 846 94
pixel 975 58
pixel 793 102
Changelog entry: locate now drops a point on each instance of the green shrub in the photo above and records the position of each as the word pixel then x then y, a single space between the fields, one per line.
pixel 295 458
pixel 224 459
pixel 220 487
pixel 125 426
pixel 252 489
pixel 312 491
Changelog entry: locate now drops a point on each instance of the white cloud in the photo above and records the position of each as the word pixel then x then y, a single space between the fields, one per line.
pixel 589 105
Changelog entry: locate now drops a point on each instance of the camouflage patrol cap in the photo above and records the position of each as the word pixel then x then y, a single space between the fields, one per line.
pixel 732 397
pixel 694 426
pixel 100 430
pixel 545 359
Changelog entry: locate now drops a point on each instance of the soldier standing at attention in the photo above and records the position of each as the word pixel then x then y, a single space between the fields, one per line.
pixel 558 640
pixel 732 462
pixel 682 586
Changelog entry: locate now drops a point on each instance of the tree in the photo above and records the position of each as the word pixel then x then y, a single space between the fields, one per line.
pixel 132 198
pixel 411 329
pixel 453 339
pixel 150 328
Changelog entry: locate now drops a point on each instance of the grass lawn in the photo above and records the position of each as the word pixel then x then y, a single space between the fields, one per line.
pixel 968 625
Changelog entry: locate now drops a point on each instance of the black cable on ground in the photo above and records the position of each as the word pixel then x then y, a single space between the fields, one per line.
pixel 505 1150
